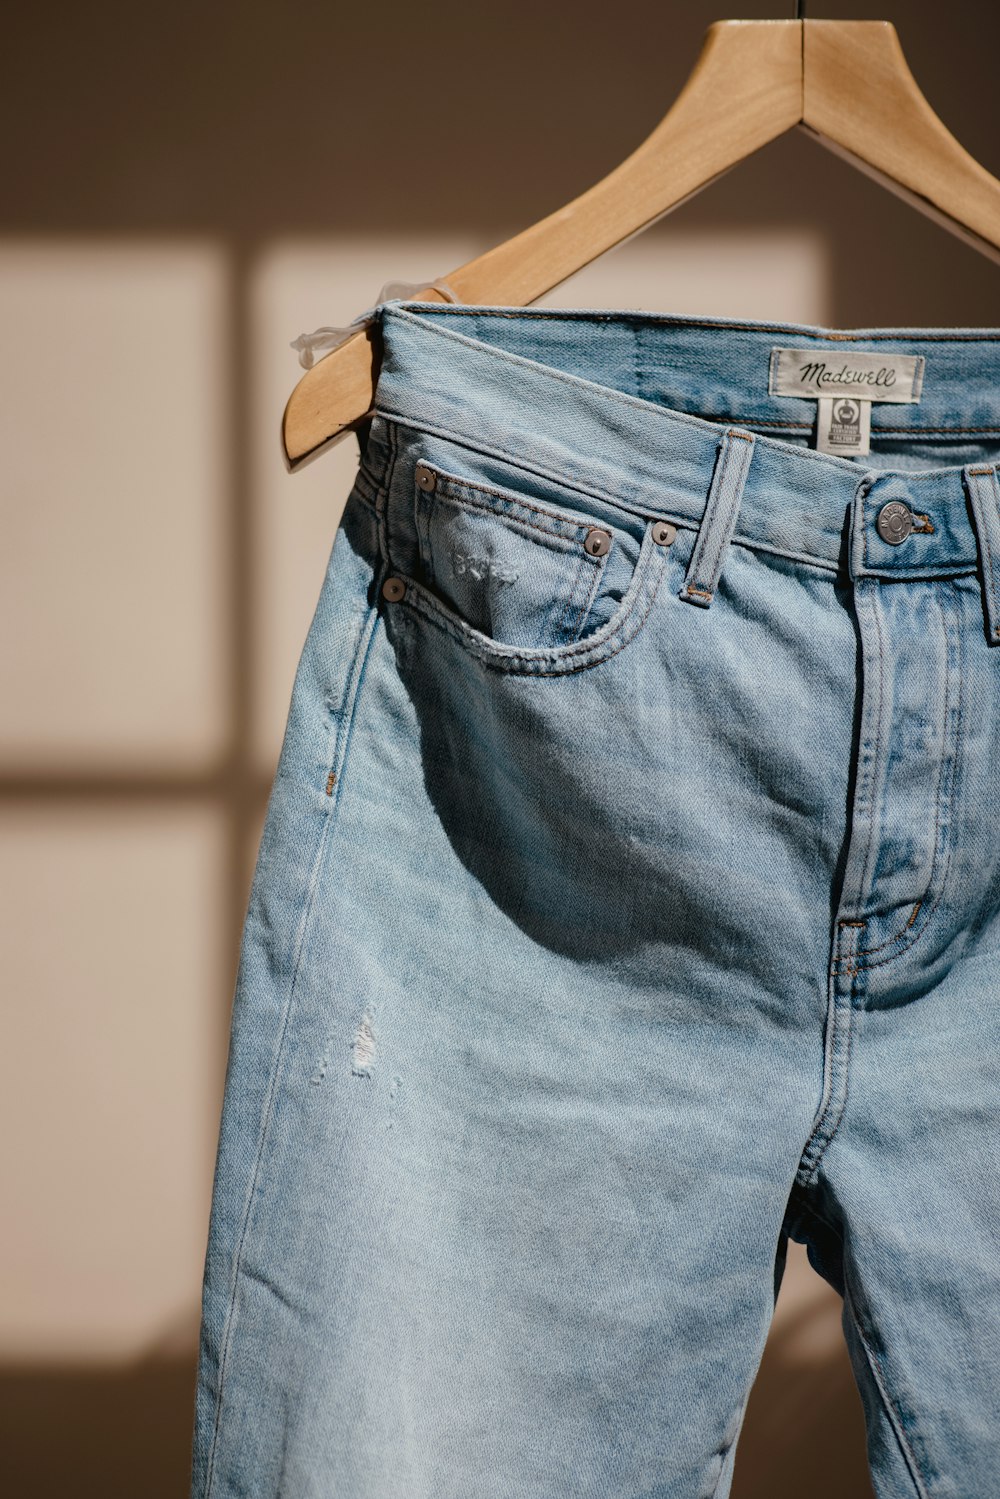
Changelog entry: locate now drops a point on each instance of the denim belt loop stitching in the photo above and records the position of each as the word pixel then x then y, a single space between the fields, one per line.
pixel 734 452
pixel 984 499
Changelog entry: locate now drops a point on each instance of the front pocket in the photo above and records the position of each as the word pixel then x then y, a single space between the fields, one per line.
pixel 526 585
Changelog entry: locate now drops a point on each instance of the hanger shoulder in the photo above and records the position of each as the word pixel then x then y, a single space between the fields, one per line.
pixel 755 66
pixel 744 90
pixel 863 103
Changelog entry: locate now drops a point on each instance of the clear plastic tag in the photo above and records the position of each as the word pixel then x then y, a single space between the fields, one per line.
pixel 328 338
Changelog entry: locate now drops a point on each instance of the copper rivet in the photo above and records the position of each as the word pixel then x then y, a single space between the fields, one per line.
pixel 425 476
pixel 664 534
pixel 597 542
pixel 393 588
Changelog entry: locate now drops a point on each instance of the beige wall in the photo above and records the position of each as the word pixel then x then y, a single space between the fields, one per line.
pixel 185 194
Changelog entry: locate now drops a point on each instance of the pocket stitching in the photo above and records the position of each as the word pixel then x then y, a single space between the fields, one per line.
pixel 461 492
pixel 553 660
pixel 457 486
pixel 588 601
pixel 557 541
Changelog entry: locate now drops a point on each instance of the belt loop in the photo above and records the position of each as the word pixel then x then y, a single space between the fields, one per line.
pixel 732 464
pixel 984 498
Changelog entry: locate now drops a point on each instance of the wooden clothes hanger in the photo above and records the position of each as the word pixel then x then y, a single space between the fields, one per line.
pixel 846 83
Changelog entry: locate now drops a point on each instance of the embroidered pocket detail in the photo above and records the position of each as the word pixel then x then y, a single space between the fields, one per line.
pixel 481 568
pixel 529 585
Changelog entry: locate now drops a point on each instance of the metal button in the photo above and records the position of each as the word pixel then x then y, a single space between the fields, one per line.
pixel 894 522
pixel 597 542
pixel 425 476
pixel 393 588
pixel 664 534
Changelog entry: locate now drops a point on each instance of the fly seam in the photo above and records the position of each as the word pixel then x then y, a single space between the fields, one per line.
pixel 950 703
pixel 877 757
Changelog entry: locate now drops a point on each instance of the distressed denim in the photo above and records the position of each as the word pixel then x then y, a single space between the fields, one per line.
pixel 628 902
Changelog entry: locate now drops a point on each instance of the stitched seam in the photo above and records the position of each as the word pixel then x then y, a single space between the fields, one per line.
pixel 597 572
pixel 708 427
pixel 555 663
pixel 265 1128
pixel 522 520
pixel 718 524
pixel 424 507
pixel 430 607
pixel 342 737
pixel 895 1418
pixel 383 495
pixel 686 521
pixel 917 931
pixel 456 489
pixel 877 760
pixel 830 1113
pixel 892 1412
pixel 725 522
pixel 345 719
pixel 907 335
pixel 919 431
pixel 708 544
pixel 877 428
pixel 985 540
pixel 421 424
pixel 689 523
pixel 567 543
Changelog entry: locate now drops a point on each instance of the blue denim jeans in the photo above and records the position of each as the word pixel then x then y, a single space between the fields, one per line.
pixel 628 902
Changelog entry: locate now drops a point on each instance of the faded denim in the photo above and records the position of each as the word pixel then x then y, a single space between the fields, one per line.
pixel 628 901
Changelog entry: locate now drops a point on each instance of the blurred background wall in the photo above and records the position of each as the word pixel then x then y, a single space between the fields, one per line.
pixel 187 188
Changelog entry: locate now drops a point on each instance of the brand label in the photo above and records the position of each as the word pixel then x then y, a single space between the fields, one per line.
pixel 812 373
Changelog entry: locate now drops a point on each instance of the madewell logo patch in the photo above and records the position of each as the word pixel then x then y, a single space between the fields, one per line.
pixel 844 387
pixel 876 377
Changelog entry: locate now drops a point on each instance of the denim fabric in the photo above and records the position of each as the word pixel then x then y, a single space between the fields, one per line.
pixel 628 901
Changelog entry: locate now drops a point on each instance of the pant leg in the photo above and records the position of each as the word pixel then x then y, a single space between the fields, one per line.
pixel 902 1206
pixel 527 1040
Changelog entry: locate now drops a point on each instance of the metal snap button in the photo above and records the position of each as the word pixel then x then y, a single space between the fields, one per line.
pixel 597 542
pixel 664 534
pixel 426 477
pixel 393 588
pixel 894 522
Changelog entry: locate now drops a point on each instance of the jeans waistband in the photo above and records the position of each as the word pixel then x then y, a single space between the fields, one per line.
pixel 585 396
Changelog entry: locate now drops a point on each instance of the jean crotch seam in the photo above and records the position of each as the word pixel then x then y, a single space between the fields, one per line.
pixel 836 1050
